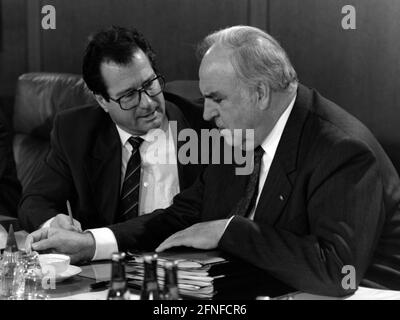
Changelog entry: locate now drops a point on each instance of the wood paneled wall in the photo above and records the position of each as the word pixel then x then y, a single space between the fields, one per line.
pixel 13 49
pixel 174 27
pixel 359 69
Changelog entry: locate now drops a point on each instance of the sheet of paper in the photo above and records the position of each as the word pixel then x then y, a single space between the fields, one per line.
pixel 374 294
pixel 100 271
pixel 95 295
pixel 361 294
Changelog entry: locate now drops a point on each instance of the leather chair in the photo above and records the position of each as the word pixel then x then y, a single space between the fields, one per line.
pixel 39 97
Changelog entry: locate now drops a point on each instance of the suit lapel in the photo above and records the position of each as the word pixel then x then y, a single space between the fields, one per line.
pixel 278 185
pixel 277 189
pixel 103 167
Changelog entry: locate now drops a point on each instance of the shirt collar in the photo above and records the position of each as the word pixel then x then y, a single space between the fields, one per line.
pixel 148 137
pixel 270 143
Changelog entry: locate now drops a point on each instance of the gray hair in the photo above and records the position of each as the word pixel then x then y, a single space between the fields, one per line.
pixel 256 57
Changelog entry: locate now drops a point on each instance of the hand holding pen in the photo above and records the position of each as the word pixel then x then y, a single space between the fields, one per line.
pixel 71 218
pixel 67 222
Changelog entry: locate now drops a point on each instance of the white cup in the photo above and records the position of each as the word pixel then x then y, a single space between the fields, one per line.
pixel 60 262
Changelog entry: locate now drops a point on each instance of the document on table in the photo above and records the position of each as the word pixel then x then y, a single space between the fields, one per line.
pixel 100 271
pixel 93 295
pixel 374 294
pixel 362 293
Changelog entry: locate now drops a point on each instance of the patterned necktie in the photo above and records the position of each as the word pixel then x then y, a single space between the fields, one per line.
pixel 247 202
pixel 129 203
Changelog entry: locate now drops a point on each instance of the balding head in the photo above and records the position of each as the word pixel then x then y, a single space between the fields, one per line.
pixel 255 56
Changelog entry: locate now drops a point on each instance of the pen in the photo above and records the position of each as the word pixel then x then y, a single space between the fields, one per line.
pixel 70 214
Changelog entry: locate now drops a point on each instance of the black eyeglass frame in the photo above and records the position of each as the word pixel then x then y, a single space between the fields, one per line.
pixel 140 90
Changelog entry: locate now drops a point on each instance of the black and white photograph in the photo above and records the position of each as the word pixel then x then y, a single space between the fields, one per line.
pixel 223 153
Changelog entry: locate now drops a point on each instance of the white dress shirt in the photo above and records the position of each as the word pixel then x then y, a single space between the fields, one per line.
pixel 159 173
pixel 159 181
pixel 269 145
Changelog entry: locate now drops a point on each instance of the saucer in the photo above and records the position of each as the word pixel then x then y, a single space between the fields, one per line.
pixel 70 272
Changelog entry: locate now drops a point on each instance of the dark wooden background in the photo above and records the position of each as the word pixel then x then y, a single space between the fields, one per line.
pixel 359 69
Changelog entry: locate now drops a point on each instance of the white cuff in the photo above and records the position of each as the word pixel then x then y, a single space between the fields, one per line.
pixel 227 224
pixel 105 241
pixel 47 223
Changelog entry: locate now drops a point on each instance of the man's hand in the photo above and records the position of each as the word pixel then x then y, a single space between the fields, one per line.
pixel 205 235
pixel 79 246
pixel 62 221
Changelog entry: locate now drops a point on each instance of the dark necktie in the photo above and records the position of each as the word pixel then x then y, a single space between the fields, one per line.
pixel 129 203
pixel 247 202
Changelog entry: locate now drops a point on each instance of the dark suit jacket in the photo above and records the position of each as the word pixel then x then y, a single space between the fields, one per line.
pixel 83 165
pixel 331 199
pixel 10 188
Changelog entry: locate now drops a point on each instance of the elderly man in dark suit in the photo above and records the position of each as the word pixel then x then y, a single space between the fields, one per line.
pixel 323 195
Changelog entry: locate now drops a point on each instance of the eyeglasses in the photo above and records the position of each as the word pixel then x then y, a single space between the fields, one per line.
pixel 152 88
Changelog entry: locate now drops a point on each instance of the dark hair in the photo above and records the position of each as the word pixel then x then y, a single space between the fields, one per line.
pixel 115 44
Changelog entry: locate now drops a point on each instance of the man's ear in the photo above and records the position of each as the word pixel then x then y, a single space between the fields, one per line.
pixel 263 93
pixel 102 102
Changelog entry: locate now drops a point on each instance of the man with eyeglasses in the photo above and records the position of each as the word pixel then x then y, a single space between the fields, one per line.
pixel 108 162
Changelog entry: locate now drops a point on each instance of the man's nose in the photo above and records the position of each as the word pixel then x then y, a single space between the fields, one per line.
pixel 209 111
pixel 146 101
